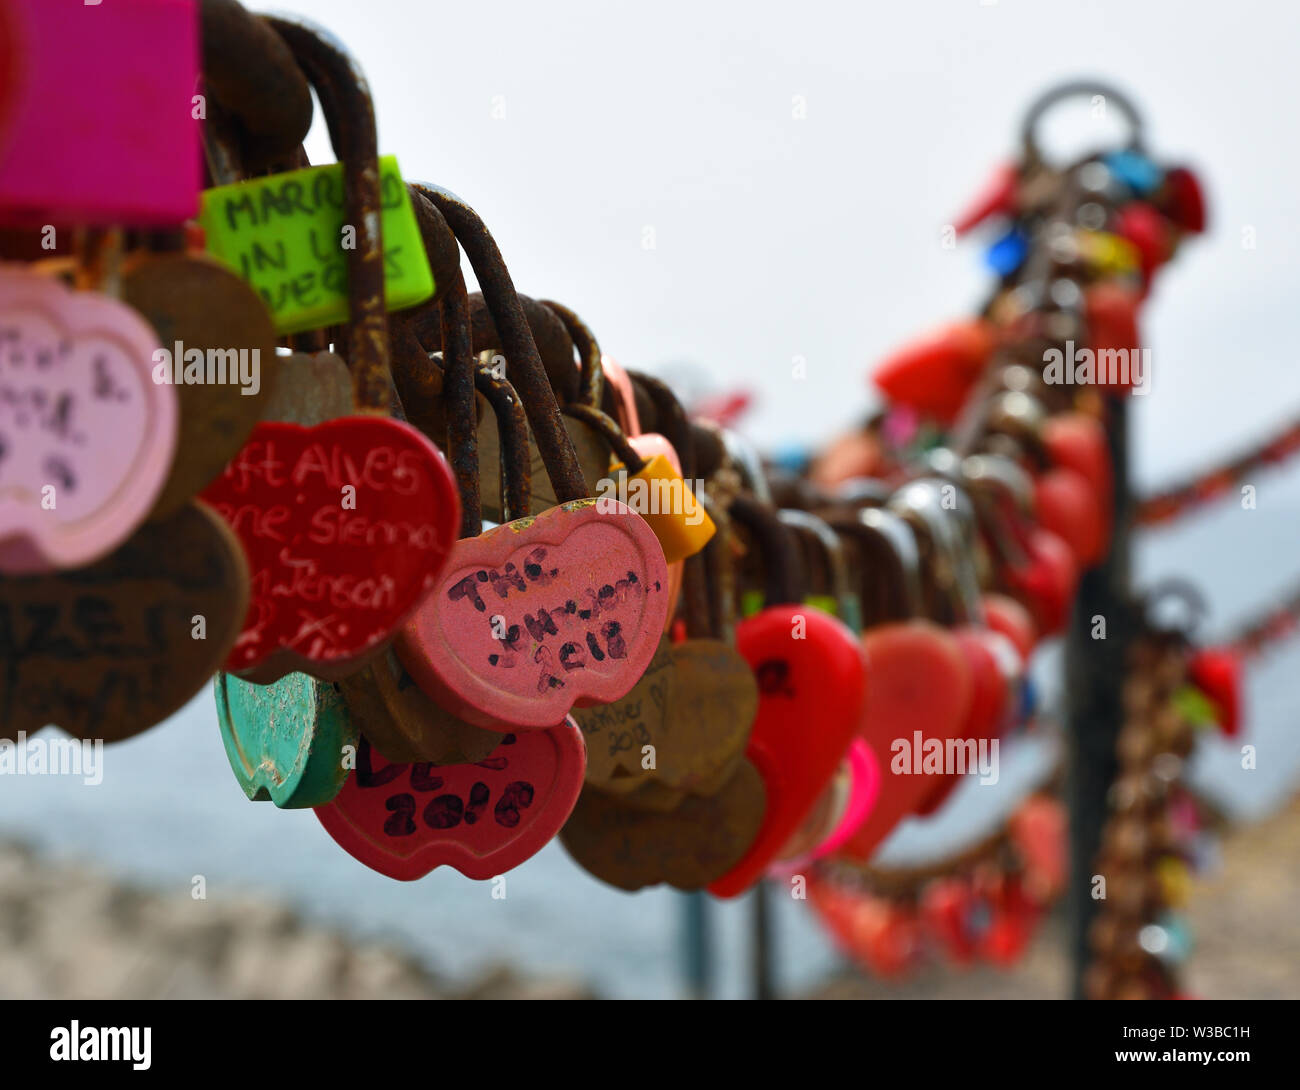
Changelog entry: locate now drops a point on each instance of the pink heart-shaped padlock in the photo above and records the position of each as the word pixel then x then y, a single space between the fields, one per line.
pixel 538 615
pixel 86 434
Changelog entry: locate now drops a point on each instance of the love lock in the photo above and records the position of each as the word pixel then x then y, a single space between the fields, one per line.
pixel 546 611
pixel 1072 497
pixel 399 720
pixel 1034 565
pixel 994 664
pixel 919 681
pixel 219 355
pixel 811 689
pixel 86 435
pixel 589 447
pixel 108 650
pixel 693 708
pixel 482 819
pixel 346 523
pixel 286 742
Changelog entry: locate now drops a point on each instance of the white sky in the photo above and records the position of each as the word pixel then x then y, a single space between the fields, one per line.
pixel 776 238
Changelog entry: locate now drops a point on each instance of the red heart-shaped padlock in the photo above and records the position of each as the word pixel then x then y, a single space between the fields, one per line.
pixel 1078 441
pixel 1111 314
pixel 811 685
pixel 1149 233
pixel 989 704
pixel 346 526
pixel 919 683
pixel 1067 504
pixel 1007 616
pixel 935 373
pixel 1216 671
pixel 482 819
pixel 1046 579
pixel 1183 200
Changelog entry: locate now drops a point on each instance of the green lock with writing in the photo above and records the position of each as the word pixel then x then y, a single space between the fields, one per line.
pixel 287 235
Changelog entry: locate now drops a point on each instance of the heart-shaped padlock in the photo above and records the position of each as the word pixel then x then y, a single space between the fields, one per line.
pixel 811 688
pixel 693 708
pixel 289 742
pixel 108 650
pixel 86 435
pixel 347 523
pixel 545 612
pixel 919 681
pixel 483 819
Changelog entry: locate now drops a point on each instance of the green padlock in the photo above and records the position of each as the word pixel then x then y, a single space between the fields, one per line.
pixel 286 235
pixel 292 742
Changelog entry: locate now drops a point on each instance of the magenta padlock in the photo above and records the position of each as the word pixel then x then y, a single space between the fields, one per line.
pixel 97 110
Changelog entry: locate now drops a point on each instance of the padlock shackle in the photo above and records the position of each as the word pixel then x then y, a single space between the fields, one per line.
pixel 1081 88
pixel 528 374
pixel 607 428
pixel 250 73
pixel 819 532
pixel 671 422
pixel 784 578
pixel 591 388
pixel 349 113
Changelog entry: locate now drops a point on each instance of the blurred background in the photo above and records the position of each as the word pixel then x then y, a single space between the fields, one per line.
pixel 723 191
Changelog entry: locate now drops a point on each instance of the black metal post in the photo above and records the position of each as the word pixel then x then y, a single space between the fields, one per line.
pixel 696 953
pixel 762 940
pixel 1094 673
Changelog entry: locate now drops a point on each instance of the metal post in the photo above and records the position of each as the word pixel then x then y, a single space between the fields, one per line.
pixel 1094 672
pixel 762 940
pixel 695 947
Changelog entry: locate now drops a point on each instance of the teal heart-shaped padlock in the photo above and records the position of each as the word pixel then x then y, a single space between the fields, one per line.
pixel 292 742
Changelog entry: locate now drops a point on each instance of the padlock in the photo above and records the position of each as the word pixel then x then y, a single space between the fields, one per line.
pixel 273 231
pixel 994 666
pixel 346 524
pixel 1148 232
pixel 483 819
pixel 918 681
pixel 555 347
pixel 1182 200
pixel 213 328
pixel 134 636
pixel 67 100
pixel 399 720
pixel 564 607
pixel 652 488
pixel 87 435
pixel 1035 565
pixel 935 373
pixel 811 684
pixel 693 708
pixel 826 556
pixel 283 740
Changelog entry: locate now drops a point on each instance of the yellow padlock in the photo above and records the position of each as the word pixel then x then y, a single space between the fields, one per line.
pixel 657 492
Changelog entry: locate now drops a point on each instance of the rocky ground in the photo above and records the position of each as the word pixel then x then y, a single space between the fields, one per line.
pixel 68 931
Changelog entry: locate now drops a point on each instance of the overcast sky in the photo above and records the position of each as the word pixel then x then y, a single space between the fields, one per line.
pixel 776 237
